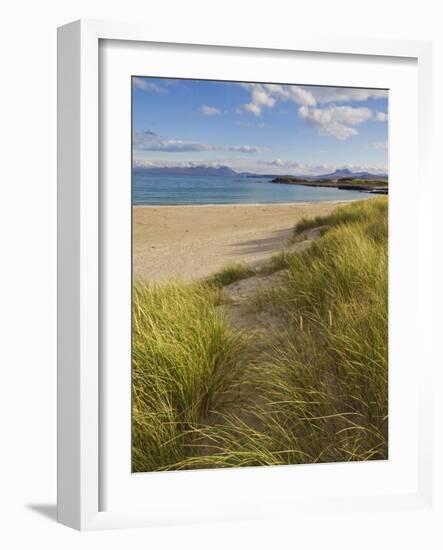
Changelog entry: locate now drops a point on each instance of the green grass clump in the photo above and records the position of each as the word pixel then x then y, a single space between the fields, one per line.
pixel 308 223
pixel 183 357
pixel 355 212
pixel 229 274
pixel 276 263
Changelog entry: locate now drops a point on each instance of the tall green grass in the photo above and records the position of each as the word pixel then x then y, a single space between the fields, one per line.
pixel 318 392
pixel 356 212
pixel 327 379
pixel 183 358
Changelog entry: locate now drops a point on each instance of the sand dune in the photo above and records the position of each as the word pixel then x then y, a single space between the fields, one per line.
pixel 191 242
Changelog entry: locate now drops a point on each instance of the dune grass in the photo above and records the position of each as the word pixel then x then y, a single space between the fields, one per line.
pixel 229 274
pixel 328 380
pixel 319 391
pixel 183 359
pixel 277 262
pixel 355 212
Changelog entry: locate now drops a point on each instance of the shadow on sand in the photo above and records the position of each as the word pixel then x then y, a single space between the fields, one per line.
pixel 277 241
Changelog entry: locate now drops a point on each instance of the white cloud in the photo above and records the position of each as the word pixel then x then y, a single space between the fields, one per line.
pixel 297 168
pixel 335 121
pixel 381 117
pixel 266 95
pixel 207 110
pixel 150 141
pixel 243 149
pixel 293 167
pixel 169 145
pixel 276 162
pixel 297 94
pixel 260 98
pixel 147 86
pixel 253 108
pixel 329 94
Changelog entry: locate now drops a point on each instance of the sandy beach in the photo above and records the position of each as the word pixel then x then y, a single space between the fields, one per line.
pixel 190 242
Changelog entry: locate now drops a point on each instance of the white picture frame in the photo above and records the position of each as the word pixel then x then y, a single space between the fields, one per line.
pixel 80 444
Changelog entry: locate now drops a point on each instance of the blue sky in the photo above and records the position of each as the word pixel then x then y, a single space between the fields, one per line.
pixel 266 128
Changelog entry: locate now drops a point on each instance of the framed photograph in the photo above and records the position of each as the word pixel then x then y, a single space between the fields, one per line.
pixel 243 268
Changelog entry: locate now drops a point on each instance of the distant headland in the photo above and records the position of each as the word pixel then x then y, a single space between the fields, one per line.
pixel 340 179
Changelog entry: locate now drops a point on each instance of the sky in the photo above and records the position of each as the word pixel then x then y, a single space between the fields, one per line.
pixel 260 128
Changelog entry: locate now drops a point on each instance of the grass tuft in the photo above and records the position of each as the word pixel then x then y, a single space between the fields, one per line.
pixel 183 358
pixel 229 274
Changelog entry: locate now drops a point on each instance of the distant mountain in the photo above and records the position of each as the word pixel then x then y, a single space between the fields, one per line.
pixel 202 170
pixel 338 174
pixel 346 173
pixel 187 170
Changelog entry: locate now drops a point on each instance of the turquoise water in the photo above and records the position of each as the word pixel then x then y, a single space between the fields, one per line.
pixel 166 189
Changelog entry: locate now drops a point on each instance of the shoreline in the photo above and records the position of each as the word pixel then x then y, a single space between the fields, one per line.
pixel 244 204
pixel 190 242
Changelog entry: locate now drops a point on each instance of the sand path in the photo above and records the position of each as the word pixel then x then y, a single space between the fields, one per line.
pixel 192 242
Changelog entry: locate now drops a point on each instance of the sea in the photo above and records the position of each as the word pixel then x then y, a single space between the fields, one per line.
pixel 192 189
